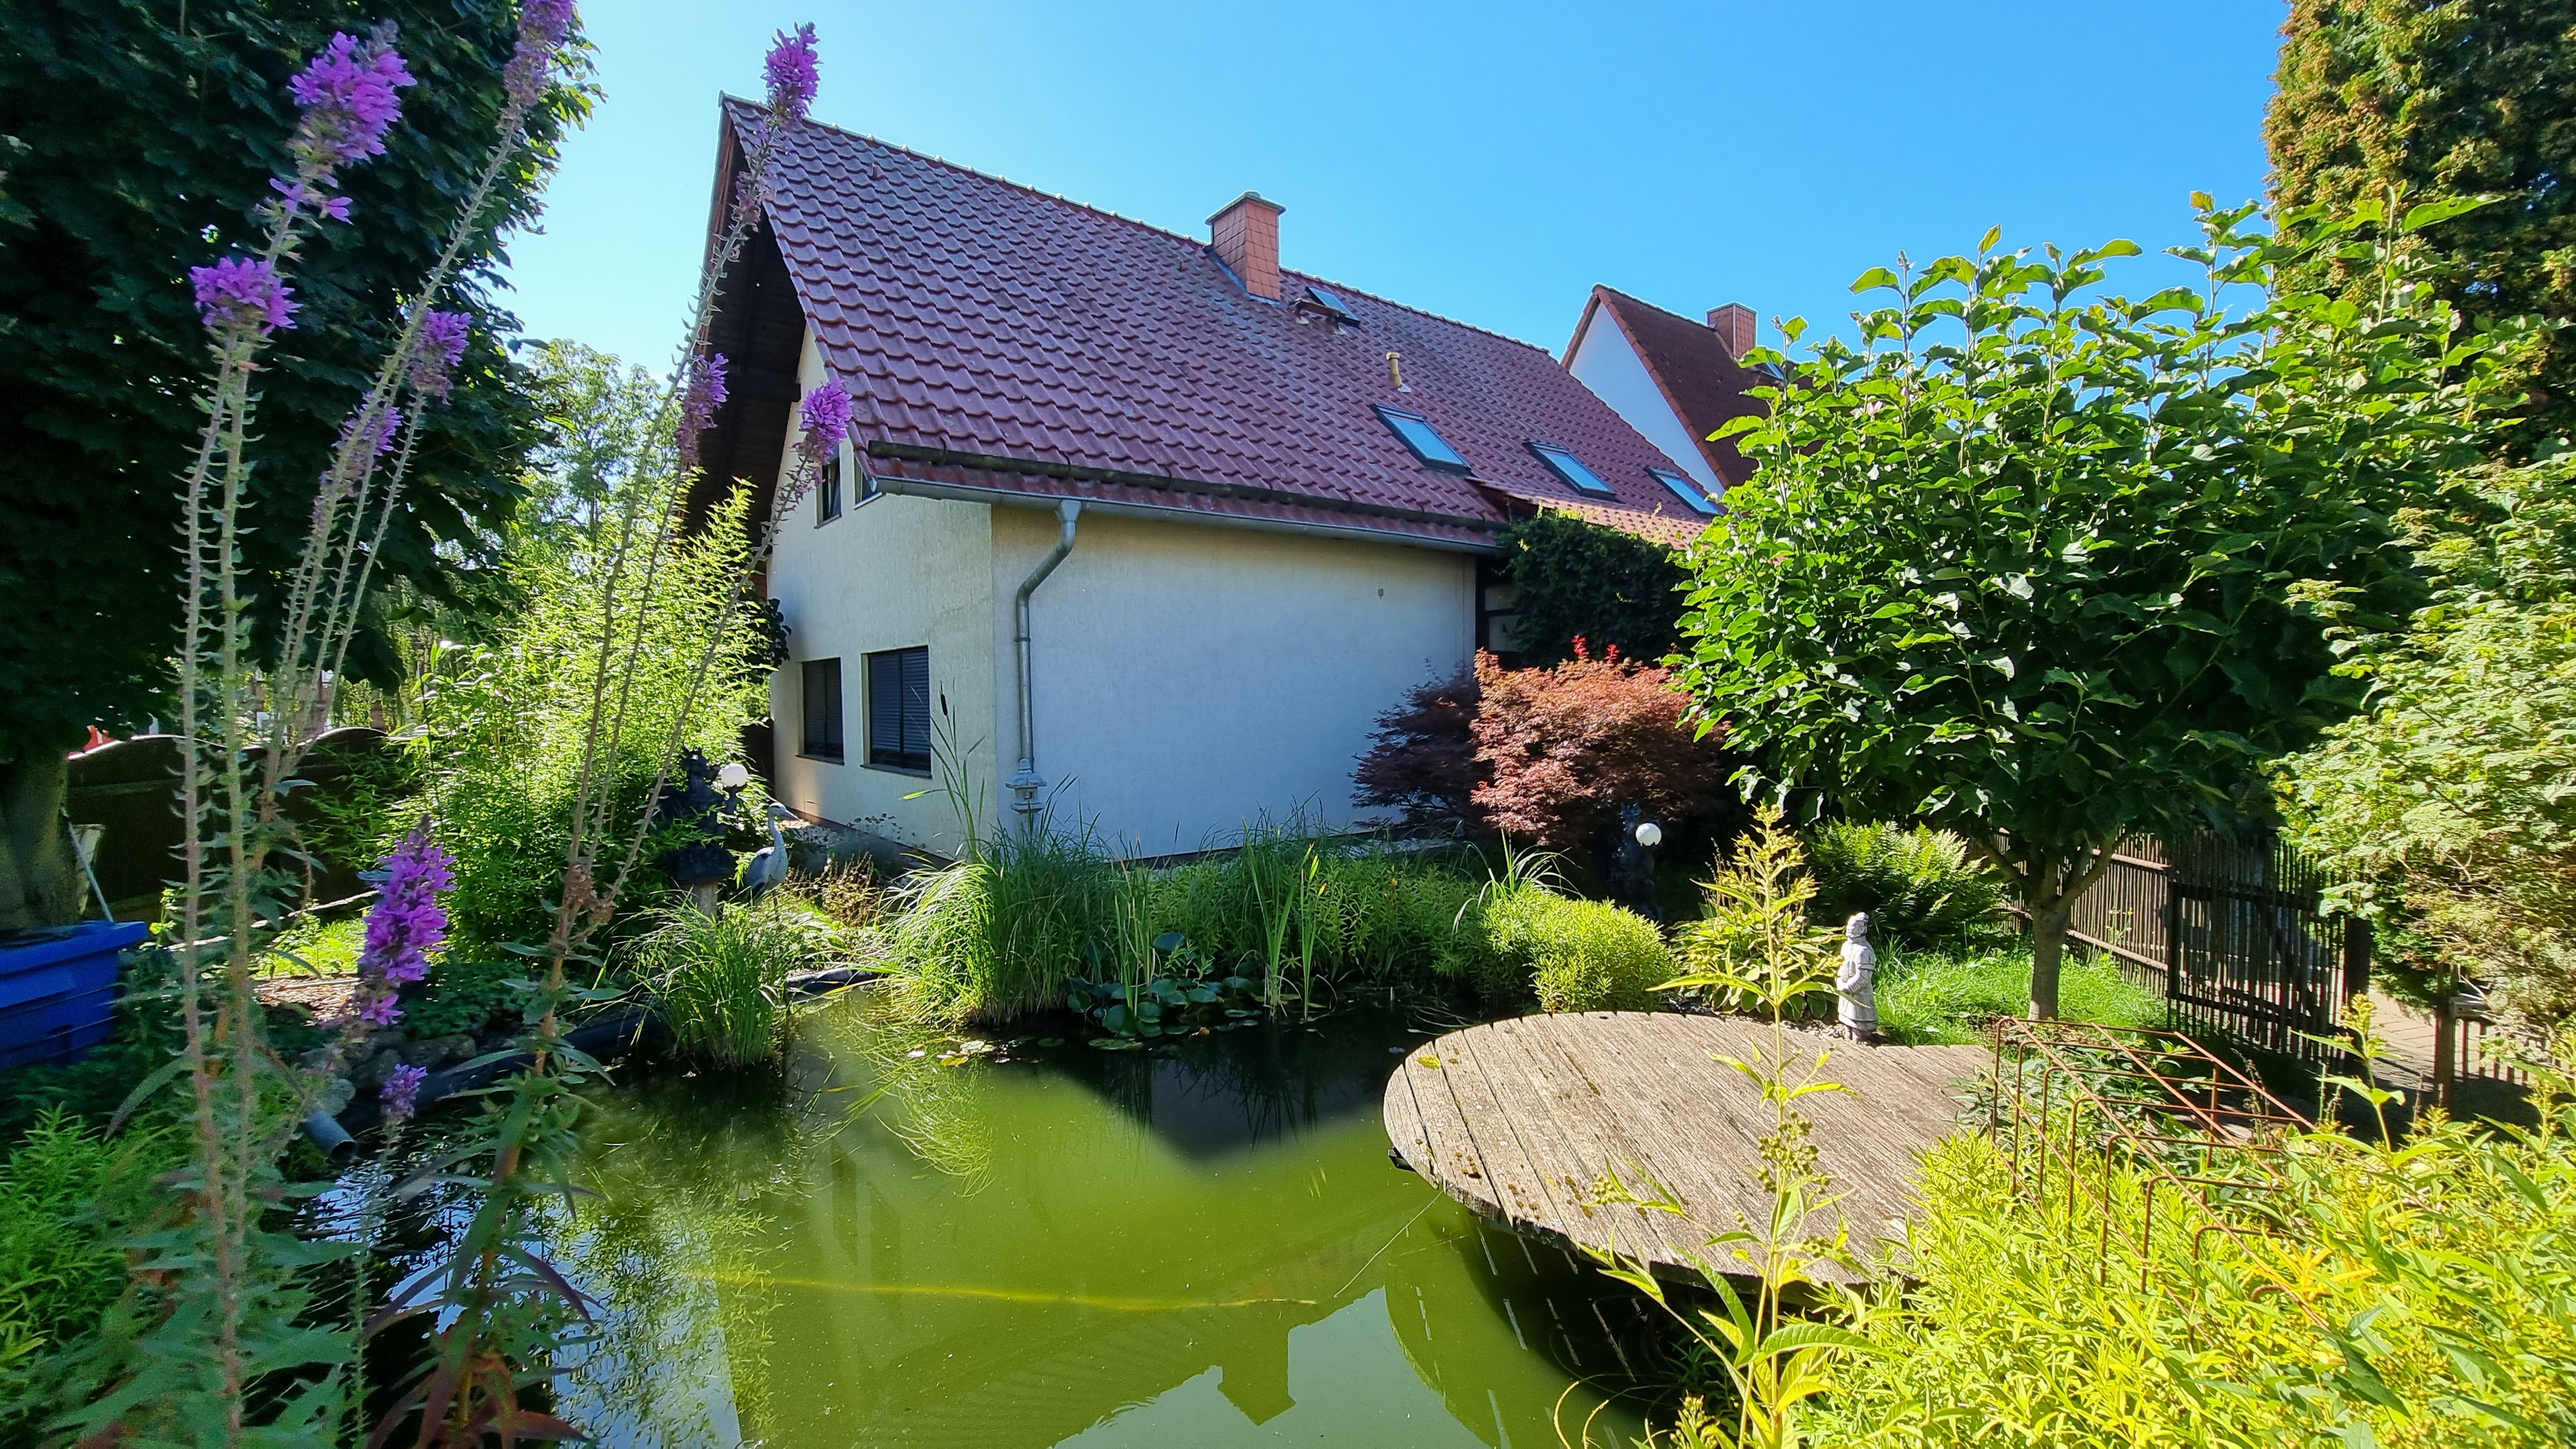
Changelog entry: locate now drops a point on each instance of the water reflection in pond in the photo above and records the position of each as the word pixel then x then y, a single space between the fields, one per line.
pixel 1201 1247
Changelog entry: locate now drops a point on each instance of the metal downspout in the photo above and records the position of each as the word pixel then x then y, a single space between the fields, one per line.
pixel 1025 784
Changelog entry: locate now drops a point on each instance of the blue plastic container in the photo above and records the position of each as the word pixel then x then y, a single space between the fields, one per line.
pixel 58 996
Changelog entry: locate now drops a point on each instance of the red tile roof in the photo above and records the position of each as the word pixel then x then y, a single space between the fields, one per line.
pixel 997 336
pixel 1703 382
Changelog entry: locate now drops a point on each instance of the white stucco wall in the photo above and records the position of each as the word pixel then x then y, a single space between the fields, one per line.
pixel 890 573
pixel 1607 364
pixel 1191 677
pixel 1188 677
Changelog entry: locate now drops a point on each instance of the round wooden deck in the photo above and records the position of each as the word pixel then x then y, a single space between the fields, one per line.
pixel 1521 1119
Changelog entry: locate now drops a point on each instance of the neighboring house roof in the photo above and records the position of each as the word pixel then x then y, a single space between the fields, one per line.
pixel 1001 338
pixel 1700 380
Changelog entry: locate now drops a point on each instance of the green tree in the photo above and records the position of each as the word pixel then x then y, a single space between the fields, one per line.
pixel 1580 580
pixel 2043 566
pixel 2448 805
pixel 2447 98
pixel 136 140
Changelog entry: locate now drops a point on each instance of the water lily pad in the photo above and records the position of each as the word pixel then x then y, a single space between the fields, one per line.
pixel 1050 1041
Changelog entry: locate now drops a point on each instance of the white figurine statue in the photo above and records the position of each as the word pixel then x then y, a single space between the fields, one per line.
pixel 1859 1007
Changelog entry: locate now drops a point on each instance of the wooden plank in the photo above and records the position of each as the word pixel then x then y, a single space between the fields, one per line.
pixel 1520 1119
pixel 1585 1139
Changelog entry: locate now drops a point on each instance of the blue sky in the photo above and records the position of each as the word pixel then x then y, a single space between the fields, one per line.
pixel 1489 162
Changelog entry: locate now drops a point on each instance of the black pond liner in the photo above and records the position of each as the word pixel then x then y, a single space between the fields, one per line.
pixel 610 1035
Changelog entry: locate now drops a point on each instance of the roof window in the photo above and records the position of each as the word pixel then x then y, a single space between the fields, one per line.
pixel 1331 301
pixel 1570 468
pixel 1432 449
pixel 1687 491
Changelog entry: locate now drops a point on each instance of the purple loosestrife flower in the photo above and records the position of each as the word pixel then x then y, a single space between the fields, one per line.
pixel 407 923
pixel 401 1094
pixel 382 1008
pixel 347 93
pixel 242 292
pixel 442 346
pixel 543 24
pixel 381 440
pixel 300 195
pixel 705 394
pixel 792 73
pixel 826 416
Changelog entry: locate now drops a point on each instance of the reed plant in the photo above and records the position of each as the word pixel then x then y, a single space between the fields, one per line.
pixel 718 981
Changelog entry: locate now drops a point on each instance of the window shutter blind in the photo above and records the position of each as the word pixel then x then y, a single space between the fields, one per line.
pixel 916 708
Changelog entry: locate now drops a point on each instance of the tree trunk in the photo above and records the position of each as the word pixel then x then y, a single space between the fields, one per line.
pixel 2047 949
pixel 39 875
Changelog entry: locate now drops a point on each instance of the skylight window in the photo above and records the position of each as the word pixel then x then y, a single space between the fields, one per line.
pixel 1330 301
pixel 1425 440
pixel 1687 491
pixel 1570 468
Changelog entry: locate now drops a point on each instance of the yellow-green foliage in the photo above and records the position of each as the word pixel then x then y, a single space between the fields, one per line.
pixel 718 981
pixel 68 1199
pixel 1578 955
pixel 2423 1296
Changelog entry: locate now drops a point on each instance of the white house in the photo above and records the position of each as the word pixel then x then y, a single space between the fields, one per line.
pixel 1139 527
pixel 1674 380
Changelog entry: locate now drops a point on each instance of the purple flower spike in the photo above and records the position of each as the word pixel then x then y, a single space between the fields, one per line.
pixel 381 439
pixel 543 25
pixel 792 73
pixel 826 418
pixel 401 1095
pixel 442 346
pixel 383 1009
pixel 347 93
pixel 705 394
pixel 242 292
pixel 407 923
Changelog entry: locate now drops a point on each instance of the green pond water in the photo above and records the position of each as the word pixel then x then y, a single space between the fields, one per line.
pixel 1205 1245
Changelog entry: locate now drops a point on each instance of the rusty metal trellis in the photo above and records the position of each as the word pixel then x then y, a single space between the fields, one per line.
pixel 2074 1102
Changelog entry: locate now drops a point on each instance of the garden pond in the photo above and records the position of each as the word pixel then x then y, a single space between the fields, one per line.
pixel 900 1239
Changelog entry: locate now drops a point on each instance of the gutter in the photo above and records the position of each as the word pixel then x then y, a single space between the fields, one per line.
pixel 1013 497
pixel 1025 782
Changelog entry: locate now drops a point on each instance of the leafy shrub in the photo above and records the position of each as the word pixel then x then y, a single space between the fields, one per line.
pixel 1576 955
pixel 1578 581
pixel 1567 746
pixel 2398 1296
pixel 2445 806
pixel 718 981
pixel 1424 760
pixel 505 725
pixel 1919 886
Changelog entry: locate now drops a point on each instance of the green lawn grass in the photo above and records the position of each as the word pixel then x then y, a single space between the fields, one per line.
pixel 1927 997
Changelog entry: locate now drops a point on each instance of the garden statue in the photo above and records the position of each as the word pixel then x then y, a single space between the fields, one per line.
pixel 1628 866
pixel 703 867
pixel 769 867
pixel 1858 1010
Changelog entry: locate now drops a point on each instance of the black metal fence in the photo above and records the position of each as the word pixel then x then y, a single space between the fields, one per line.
pixel 2234 934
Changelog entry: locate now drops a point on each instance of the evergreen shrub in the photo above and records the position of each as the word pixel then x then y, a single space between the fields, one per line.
pixel 1919 885
pixel 1575 955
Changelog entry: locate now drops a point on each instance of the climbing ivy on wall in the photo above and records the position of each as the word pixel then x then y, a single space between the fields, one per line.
pixel 1581 580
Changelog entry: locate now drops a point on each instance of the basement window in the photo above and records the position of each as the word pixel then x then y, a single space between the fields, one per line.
pixel 1431 449
pixel 1687 491
pixel 1570 468
pixel 899 710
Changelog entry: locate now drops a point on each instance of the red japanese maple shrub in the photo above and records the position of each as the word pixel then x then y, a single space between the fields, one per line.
pixel 1565 747
pixel 1424 759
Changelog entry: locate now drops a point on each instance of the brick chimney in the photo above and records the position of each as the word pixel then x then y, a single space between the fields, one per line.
pixel 1733 324
pixel 1246 238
